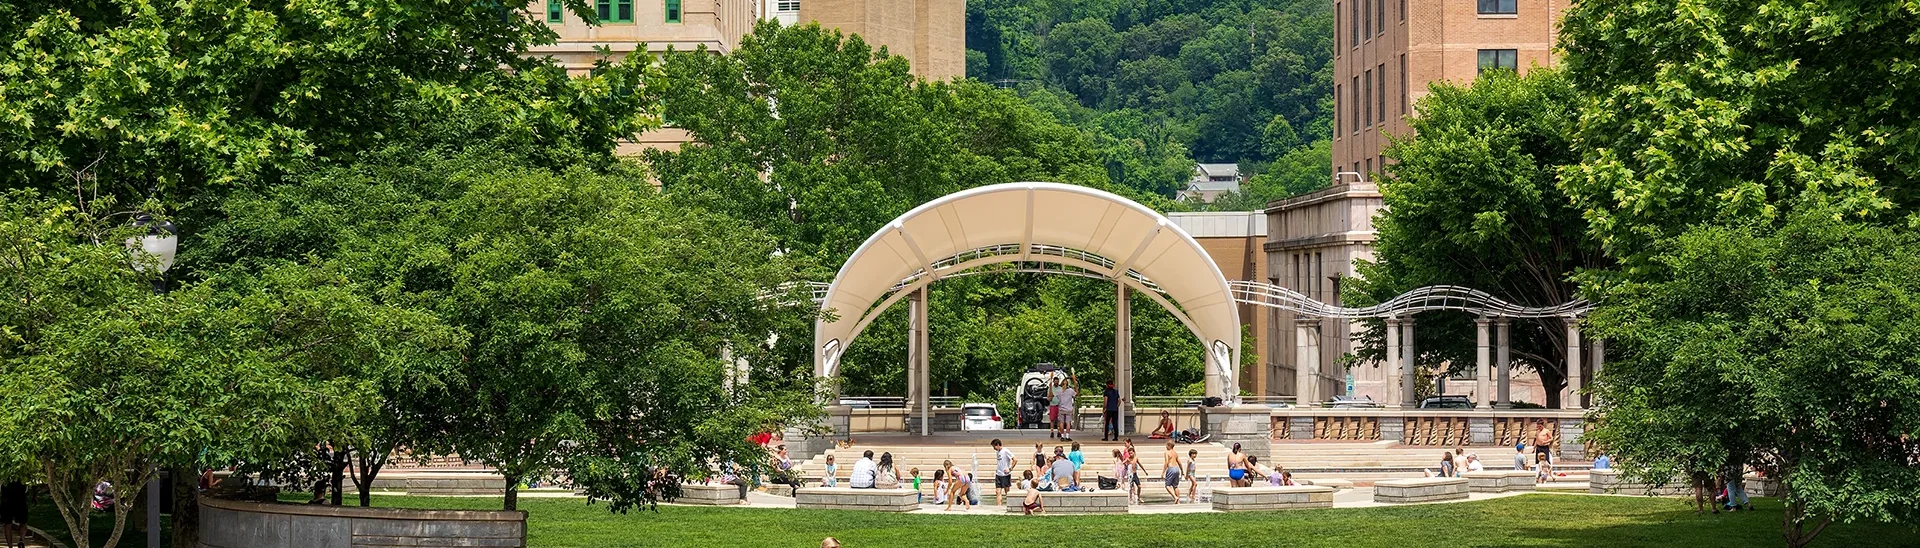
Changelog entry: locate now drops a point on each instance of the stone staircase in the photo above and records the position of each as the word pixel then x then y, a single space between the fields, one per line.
pixel 927 454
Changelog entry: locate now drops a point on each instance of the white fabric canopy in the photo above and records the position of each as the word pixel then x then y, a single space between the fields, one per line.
pixel 1079 227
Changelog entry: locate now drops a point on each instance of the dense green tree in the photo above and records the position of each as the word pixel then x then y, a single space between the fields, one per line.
pixel 1751 164
pixel 1474 201
pixel 166 100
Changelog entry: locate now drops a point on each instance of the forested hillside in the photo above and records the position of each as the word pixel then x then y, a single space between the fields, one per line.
pixel 1161 84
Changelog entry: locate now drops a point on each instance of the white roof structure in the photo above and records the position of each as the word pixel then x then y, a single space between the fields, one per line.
pixel 1085 230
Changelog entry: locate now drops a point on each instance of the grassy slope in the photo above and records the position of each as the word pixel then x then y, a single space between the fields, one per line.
pixel 1533 520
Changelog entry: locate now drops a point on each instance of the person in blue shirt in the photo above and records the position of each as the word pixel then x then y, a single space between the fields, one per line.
pixel 1602 462
pixel 1078 461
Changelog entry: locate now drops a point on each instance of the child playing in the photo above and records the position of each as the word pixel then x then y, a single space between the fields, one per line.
pixel 1542 472
pixel 918 496
pixel 939 486
pixel 1031 505
pixel 829 480
pixel 1193 484
pixel 958 489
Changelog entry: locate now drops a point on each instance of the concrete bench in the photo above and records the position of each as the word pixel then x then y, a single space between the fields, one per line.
pixel 1609 482
pixel 1419 490
pixel 1244 499
pixel 1056 502
pixel 1336 483
pixel 709 495
pixel 848 498
pixel 1499 481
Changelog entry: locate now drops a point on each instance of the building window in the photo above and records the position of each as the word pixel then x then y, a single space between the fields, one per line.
pixel 787 5
pixel 1491 59
pixel 614 11
pixel 1403 11
pixel 673 10
pixel 1353 23
pixel 554 11
pixel 1380 16
pixel 1366 19
pixel 1338 115
pixel 1370 168
pixel 1354 99
pixel 1380 93
pixel 1499 6
pixel 1403 84
pixel 1336 29
pixel 1366 100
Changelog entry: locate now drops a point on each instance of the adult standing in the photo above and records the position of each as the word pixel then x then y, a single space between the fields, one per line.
pixel 1543 440
pixel 13 512
pixel 1053 407
pixel 1237 467
pixel 1002 472
pixel 863 472
pixel 1110 414
pixel 1065 400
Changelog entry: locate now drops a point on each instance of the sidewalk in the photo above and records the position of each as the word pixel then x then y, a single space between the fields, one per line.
pixel 1360 497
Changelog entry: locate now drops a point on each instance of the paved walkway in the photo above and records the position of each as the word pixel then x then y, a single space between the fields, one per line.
pixel 1361 497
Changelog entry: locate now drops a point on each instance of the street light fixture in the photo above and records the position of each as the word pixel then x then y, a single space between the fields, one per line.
pixel 161 241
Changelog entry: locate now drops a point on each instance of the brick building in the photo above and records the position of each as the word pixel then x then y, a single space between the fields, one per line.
pixel 1234 239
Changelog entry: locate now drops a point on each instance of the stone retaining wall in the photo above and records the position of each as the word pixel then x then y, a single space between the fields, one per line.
pixel 1420 490
pixel 1762 487
pixel 1243 499
pixel 234 524
pixel 847 498
pixel 1499 481
pixel 710 495
pixel 1609 482
pixel 1098 502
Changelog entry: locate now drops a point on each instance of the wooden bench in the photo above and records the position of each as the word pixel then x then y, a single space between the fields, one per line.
pixel 1499 481
pixel 1244 499
pixel 848 498
pixel 1609 482
pixel 1400 491
pixel 1057 502
pixel 709 495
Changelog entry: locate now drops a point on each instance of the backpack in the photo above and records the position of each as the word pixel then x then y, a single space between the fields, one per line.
pixel 1109 483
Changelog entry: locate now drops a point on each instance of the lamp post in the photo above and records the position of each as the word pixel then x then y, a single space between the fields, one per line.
pixel 160 241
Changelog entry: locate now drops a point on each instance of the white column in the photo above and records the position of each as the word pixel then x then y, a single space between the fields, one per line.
pixel 1505 382
pixel 1393 364
pixel 1599 358
pixel 918 381
pixel 1409 389
pixel 1123 353
pixel 1572 401
pixel 1483 372
pixel 1306 367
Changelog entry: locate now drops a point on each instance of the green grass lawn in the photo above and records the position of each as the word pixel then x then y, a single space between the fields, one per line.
pixel 1530 520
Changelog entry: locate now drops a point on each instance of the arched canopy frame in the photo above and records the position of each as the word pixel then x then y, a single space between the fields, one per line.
pixel 1084 231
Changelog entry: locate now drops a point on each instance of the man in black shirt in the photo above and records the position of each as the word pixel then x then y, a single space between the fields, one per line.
pixel 1112 415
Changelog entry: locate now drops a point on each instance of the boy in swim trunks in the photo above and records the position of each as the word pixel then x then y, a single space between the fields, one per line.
pixel 1173 471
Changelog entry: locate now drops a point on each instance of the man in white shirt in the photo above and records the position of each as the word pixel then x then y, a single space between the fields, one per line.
pixel 1002 472
pixel 863 472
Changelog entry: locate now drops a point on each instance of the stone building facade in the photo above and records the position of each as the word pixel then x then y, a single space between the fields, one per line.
pixel 1312 243
pixel 1234 240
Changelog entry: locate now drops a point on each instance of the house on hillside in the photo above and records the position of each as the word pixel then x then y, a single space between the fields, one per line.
pixel 1210 181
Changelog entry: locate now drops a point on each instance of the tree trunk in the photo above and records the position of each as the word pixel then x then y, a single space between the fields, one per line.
pixel 370 464
pixel 1795 520
pixel 513 494
pixel 186 506
pixel 337 472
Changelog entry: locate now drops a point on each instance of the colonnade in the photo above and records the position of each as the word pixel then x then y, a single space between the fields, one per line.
pixel 1494 361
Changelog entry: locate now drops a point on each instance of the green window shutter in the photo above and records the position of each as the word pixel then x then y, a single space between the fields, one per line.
pixel 673 11
pixel 553 11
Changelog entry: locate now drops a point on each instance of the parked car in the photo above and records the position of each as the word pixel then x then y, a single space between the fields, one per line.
pixel 1350 402
pixel 1446 402
pixel 980 416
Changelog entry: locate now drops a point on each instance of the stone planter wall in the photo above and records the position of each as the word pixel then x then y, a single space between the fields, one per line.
pixel 1244 499
pixel 1420 490
pixel 709 495
pixel 847 498
pixel 234 524
pixel 1098 502
pixel 1492 481
pixel 1609 482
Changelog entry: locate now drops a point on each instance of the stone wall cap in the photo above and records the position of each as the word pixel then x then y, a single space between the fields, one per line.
pixel 359 512
pixel 1419 482
pixel 851 491
pixel 1269 490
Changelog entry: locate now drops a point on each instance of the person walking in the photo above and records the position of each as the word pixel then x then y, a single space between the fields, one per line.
pixel 1172 470
pixel 1110 414
pixel 1002 472
pixel 1193 483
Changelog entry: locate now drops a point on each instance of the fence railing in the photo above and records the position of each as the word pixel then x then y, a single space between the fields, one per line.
pixel 1150 402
